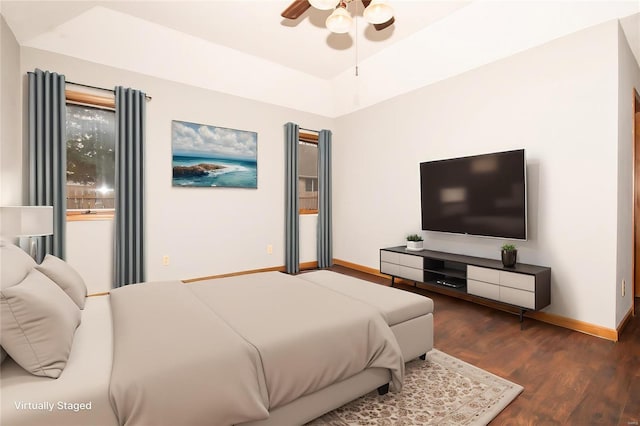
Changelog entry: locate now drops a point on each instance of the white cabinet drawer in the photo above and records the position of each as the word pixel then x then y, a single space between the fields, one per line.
pixel 389 256
pixel 390 268
pixel 520 281
pixel 411 261
pixel 402 265
pixel 412 274
pixel 483 274
pixel 517 297
pixel 479 288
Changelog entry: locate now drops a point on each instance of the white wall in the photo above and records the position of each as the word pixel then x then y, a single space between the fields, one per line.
pixel 479 33
pixel 11 152
pixel 308 238
pixel 204 231
pixel 90 251
pixel 629 81
pixel 559 102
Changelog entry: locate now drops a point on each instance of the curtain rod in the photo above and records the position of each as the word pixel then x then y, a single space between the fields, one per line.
pixel 147 97
pixel 308 130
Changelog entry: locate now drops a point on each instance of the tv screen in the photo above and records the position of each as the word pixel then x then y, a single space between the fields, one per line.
pixel 479 195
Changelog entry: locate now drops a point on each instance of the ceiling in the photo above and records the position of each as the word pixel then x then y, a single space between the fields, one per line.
pixel 253 27
pixel 253 33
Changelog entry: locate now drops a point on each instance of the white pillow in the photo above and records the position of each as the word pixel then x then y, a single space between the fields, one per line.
pixel 38 322
pixel 15 264
pixel 61 273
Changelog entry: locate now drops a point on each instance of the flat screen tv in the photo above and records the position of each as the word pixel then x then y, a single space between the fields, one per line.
pixel 479 195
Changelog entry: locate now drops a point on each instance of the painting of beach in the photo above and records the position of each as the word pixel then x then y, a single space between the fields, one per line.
pixel 210 156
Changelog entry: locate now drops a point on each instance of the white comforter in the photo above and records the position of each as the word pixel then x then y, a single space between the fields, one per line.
pixel 225 352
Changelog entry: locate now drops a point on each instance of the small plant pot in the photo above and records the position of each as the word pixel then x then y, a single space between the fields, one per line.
pixel 414 245
pixel 509 258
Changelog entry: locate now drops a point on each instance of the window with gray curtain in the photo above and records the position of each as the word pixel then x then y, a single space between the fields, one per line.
pixel 293 175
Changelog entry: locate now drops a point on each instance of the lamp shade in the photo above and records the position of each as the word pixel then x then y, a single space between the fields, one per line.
pixel 26 221
pixel 339 21
pixel 378 12
pixel 324 4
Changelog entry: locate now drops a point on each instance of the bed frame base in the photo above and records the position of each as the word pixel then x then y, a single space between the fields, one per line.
pixel 384 389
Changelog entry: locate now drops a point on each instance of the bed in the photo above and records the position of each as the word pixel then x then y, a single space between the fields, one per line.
pixel 173 353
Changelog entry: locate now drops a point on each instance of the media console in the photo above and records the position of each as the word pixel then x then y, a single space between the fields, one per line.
pixel 527 287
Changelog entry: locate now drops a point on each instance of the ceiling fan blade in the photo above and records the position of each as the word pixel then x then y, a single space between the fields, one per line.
pixel 379 27
pixel 295 9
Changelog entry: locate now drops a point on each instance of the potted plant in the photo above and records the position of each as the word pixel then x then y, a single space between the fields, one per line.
pixel 509 255
pixel 414 242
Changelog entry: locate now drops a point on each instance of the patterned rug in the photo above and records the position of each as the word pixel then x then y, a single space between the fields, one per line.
pixel 439 391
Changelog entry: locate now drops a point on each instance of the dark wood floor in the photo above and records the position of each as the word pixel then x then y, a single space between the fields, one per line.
pixel 569 378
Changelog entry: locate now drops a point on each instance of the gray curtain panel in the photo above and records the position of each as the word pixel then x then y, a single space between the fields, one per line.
pixel 129 256
pixel 48 155
pixel 325 241
pixel 292 219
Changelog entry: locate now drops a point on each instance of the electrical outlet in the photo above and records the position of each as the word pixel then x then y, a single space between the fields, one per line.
pixel 165 260
pixel 269 249
pixel 624 288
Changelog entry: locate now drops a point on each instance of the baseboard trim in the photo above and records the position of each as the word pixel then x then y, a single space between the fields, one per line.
pixel 626 320
pixel 360 268
pixel 303 266
pixel 234 274
pixel 560 321
pixel 576 325
pixel 308 265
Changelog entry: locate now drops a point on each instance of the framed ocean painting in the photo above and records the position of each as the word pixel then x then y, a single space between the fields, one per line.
pixel 211 156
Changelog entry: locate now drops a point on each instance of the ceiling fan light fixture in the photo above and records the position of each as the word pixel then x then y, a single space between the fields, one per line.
pixel 324 4
pixel 339 21
pixel 378 12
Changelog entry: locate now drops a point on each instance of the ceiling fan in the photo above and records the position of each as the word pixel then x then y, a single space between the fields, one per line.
pixel 376 12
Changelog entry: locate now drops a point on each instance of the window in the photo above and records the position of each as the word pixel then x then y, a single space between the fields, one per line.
pixel 90 156
pixel 308 173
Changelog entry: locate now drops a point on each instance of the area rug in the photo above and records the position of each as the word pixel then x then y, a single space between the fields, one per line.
pixel 442 390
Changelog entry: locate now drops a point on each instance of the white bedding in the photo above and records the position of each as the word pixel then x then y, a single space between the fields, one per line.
pixel 308 337
pixel 228 351
pixel 26 398
pixel 177 363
